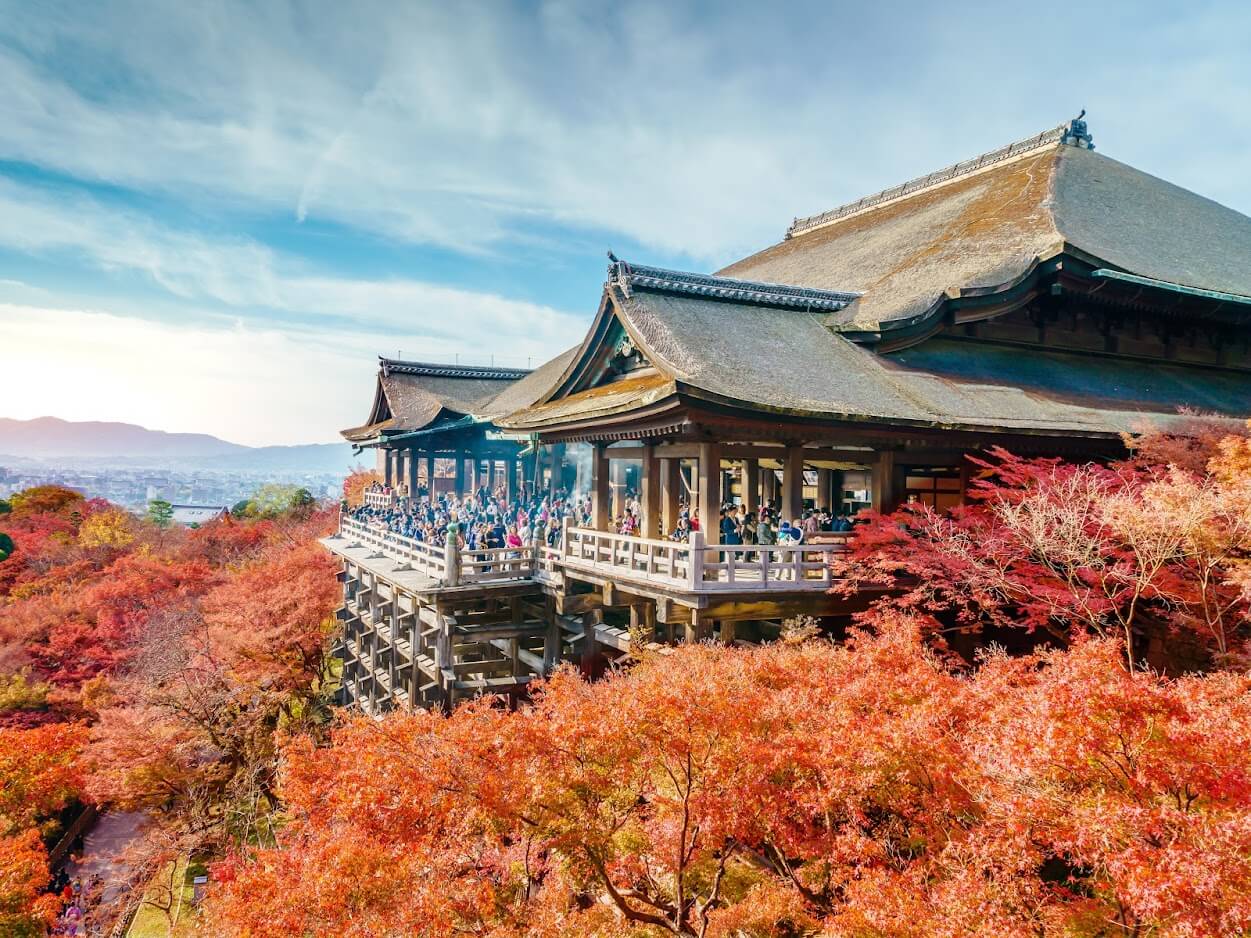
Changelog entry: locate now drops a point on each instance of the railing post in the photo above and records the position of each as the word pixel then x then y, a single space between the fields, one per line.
pixel 452 559
pixel 696 563
pixel 565 524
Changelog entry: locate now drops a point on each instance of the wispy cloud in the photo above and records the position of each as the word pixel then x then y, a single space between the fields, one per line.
pixel 430 319
pixel 688 128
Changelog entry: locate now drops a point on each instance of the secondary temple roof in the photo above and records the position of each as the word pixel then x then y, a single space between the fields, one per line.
pixel 412 395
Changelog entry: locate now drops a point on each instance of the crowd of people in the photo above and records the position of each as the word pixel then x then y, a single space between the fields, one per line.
pixel 481 519
pixel 77 909
pixel 486 519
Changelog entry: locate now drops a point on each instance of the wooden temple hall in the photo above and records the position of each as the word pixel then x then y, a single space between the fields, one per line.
pixel 1042 297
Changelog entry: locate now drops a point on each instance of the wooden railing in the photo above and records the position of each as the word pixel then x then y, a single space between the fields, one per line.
pixel 430 559
pixel 641 559
pixel 688 566
pixel 457 568
pixel 775 567
pixel 696 566
pixel 382 500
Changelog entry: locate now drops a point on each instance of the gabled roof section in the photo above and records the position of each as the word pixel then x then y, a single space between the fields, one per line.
pixel 412 395
pixel 787 362
pixel 985 225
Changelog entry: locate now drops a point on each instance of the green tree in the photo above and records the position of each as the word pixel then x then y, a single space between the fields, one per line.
pixel 274 499
pixel 5 507
pixel 6 546
pixel 160 512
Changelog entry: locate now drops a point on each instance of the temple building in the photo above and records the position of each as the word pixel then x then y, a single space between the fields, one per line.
pixel 1042 297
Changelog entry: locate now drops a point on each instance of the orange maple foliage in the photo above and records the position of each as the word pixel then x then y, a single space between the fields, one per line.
pixel 40 772
pixel 25 908
pixel 40 775
pixel 356 483
pixel 869 788
pixel 183 650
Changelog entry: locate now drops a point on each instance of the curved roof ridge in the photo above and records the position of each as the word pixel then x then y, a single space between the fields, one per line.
pixel 628 277
pixel 1056 135
pixel 435 370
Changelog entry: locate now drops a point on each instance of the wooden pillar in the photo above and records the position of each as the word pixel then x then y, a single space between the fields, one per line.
pixel 556 461
pixel 751 485
pixel 769 486
pixel 670 490
pixel 825 488
pixel 430 473
pixel 793 484
pixel 412 473
pixel 599 486
pixel 709 494
pixel 510 477
pixel 590 642
pixel 884 481
pixel 387 467
pixel 649 493
pixel 459 487
pixel 617 476
pixel 836 492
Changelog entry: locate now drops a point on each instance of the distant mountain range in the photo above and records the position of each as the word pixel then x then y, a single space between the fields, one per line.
pixel 50 439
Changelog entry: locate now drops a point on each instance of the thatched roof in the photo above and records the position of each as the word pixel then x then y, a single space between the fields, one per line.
pixel 778 359
pixel 412 395
pixel 523 393
pixel 988 226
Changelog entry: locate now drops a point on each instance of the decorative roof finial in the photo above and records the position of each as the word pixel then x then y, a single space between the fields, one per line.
pixel 1077 135
pixel 611 256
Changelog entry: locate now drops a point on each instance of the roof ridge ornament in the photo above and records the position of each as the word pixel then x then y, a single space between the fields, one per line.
pixel 1078 135
pixel 629 277
pixel 964 168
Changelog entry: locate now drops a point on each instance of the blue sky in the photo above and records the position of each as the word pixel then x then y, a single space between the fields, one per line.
pixel 213 216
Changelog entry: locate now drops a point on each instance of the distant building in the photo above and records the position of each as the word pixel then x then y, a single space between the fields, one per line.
pixel 198 514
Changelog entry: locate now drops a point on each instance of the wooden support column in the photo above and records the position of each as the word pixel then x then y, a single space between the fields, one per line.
pixel 836 492
pixel 599 486
pixel 751 485
pixel 649 494
pixel 884 482
pixel 387 467
pixel 430 473
pixel 510 477
pixel 769 486
pixel 617 477
pixel 670 490
pixel 709 494
pixel 459 487
pixel 590 642
pixel 412 473
pixel 556 460
pixel 793 484
pixel 825 488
